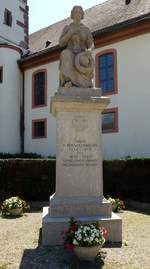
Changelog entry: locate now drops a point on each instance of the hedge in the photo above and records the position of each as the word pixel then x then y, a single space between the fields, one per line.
pixel 34 179
pixel 128 179
pixel 19 155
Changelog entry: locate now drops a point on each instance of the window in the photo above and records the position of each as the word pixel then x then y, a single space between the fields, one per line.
pixel 39 95
pixel 110 120
pixel 1 74
pixel 106 72
pixel 8 17
pixel 39 128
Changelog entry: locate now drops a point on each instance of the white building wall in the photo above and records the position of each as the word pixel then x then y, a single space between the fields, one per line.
pixel 43 146
pixel 132 100
pixel 10 101
pixel 15 33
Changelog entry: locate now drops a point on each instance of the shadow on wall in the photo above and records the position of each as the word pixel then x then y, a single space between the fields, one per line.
pixel 55 258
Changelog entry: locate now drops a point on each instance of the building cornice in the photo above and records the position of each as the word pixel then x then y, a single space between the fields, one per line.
pixel 40 58
pixel 117 34
pixel 11 47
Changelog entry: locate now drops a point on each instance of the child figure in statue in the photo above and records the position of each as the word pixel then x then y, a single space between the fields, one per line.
pixel 76 62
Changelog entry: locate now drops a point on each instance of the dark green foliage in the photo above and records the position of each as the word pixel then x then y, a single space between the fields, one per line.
pixel 19 155
pixel 34 180
pixel 128 179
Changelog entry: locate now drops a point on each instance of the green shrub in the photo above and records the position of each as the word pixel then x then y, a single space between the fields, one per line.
pixel 34 179
pixel 127 179
pixel 19 155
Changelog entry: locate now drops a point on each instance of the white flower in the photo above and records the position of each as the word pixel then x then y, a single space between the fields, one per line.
pixel 78 237
pixel 75 242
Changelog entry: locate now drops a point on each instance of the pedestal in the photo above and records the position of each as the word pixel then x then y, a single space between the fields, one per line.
pixel 79 179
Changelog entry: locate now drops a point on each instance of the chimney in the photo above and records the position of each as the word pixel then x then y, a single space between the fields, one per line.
pixel 127 2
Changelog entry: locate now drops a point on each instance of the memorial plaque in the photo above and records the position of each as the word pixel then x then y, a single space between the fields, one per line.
pixel 79 158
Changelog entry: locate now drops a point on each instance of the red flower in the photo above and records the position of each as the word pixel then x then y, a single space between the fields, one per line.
pixel 69 246
pixel 122 204
pixel 105 232
pixel 73 228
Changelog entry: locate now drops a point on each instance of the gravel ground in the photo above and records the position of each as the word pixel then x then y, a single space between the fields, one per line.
pixel 20 246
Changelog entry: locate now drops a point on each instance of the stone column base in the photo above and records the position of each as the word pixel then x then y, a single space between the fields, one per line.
pixel 52 227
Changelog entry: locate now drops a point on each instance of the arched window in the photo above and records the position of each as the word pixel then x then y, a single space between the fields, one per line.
pixel 39 88
pixel 106 71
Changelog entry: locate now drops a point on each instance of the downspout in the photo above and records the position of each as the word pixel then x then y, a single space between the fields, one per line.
pixel 22 115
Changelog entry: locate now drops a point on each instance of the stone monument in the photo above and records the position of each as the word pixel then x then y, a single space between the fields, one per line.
pixel 77 107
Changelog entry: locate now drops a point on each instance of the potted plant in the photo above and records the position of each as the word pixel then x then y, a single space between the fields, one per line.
pixel 13 206
pixel 116 203
pixel 85 239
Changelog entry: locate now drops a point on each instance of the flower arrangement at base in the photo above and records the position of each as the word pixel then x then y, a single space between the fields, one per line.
pixel 14 206
pixel 117 204
pixel 85 239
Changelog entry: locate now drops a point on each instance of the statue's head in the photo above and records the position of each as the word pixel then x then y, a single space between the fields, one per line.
pixel 75 10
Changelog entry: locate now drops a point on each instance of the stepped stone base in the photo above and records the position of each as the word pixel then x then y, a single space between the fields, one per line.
pixel 79 173
pixel 52 227
pixel 79 206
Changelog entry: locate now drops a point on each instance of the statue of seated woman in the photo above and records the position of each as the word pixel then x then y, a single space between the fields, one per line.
pixel 76 62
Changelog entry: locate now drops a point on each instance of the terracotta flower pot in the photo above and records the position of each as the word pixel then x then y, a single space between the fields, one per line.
pixel 87 253
pixel 15 211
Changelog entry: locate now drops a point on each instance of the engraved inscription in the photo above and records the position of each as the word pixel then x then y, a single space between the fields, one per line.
pixel 80 154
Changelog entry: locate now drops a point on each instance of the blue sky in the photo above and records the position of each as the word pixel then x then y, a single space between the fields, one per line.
pixel 46 12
